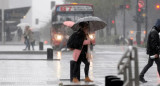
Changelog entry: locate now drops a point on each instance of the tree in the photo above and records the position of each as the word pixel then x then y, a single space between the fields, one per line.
pixel 102 8
pixel 105 9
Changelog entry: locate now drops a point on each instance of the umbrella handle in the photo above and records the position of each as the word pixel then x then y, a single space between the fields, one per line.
pixel 88 38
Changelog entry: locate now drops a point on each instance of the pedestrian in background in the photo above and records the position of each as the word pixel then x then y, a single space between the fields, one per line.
pixel 8 34
pixel 31 39
pixel 153 49
pixel 26 37
pixel 19 33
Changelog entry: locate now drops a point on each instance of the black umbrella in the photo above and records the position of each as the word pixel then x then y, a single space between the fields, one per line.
pixel 95 23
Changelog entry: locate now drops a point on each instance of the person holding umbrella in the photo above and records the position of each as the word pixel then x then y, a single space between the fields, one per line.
pixel 81 43
pixel 26 37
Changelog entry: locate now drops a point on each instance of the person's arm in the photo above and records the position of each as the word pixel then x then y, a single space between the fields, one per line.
pixel 86 42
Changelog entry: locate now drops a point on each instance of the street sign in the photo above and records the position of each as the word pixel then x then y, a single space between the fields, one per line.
pixel 15 14
pixel 73 8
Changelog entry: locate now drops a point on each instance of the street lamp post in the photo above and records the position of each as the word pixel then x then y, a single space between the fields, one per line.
pixel 124 20
pixel 4 5
pixel 3 40
pixel 146 25
pixel 138 20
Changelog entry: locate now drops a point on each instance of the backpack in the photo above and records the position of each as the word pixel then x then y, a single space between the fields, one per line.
pixel 71 43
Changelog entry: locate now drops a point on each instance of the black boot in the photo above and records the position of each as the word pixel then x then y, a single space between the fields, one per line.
pixel 141 78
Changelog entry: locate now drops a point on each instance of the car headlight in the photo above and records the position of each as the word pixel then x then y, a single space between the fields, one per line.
pixel 59 37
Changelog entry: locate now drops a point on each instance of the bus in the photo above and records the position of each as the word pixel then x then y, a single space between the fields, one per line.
pixel 68 12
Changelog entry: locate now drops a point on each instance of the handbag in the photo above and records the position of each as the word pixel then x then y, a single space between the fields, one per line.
pixel 76 54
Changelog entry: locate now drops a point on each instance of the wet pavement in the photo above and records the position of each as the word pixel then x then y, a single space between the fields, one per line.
pixel 48 73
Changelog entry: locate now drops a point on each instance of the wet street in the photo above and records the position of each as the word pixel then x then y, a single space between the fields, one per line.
pixel 18 72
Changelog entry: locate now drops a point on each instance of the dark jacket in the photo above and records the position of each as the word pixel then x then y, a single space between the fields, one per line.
pixel 153 42
pixel 75 41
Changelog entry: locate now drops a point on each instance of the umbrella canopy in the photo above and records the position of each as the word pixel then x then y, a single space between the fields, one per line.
pixel 68 23
pixel 95 23
pixel 23 24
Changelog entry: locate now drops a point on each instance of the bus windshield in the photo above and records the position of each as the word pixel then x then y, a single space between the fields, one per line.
pixel 70 12
pixel 71 17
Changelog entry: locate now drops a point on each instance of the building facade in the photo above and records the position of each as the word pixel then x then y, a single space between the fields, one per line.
pixel 38 15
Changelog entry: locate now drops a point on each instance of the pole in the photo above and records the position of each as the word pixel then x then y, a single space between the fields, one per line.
pixel 124 27
pixel 3 40
pixel 146 26
pixel 3 4
pixel 115 32
pixel 138 34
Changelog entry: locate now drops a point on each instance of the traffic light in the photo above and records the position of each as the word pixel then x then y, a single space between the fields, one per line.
pixel 144 32
pixel 141 16
pixel 131 38
pixel 131 31
pixel 113 21
pixel 140 5
pixel 127 6
pixel 157 6
pixel 139 10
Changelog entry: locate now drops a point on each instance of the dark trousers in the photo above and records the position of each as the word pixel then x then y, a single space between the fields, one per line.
pixel 76 69
pixel 149 64
pixel 27 43
pixel 32 44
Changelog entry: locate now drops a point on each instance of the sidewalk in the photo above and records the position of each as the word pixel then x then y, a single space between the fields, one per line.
pixel 49 73
pixel 21 47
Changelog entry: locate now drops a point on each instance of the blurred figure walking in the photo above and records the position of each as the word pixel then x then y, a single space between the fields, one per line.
pixel 31 39
pixel 153 50
pixel 26 37
pixel 19 33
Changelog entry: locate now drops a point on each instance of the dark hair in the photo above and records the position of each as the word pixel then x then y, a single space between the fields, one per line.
pixel 83 24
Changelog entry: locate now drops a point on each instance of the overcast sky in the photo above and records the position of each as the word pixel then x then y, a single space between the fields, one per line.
pixel 42 10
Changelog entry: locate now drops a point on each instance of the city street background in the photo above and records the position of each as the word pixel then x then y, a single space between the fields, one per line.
pixel 48 73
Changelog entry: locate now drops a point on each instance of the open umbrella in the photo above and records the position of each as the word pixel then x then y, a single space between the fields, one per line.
pixel 23 24
pixel 68 23
pixel 95 23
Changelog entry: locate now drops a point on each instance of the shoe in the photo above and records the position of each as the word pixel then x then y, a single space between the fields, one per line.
pixel 87 79
pixel 75 80
pixel 141 79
